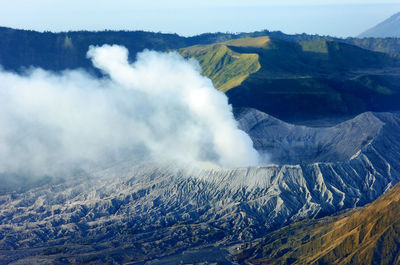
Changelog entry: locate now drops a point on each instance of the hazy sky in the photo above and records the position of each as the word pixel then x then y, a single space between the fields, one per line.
pixel 190 17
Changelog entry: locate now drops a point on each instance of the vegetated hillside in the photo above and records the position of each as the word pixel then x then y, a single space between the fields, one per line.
pixel 386 45
pixel 224 66
pixel 389 45
pixel 58 51
pixel 388 28
pixel 301 80
pixel 367 236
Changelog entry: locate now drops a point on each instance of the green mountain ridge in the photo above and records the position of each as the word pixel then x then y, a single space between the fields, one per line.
pixel 304 80
pixel 224 66
pixel 58 51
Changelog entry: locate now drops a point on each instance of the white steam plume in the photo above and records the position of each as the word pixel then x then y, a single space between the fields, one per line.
pixel 159 107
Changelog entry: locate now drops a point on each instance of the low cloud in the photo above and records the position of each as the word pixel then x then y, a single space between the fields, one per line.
pixel 157 108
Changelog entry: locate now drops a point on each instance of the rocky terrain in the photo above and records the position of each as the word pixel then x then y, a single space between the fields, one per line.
pixel 164 213
pixel 366 236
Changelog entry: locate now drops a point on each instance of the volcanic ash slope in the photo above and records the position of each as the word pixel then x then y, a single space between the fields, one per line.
pixel 315 172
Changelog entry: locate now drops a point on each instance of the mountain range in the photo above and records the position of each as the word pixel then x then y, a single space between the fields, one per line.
pixel 59 51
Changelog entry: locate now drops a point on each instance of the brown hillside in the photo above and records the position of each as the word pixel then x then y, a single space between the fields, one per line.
pixel 367 236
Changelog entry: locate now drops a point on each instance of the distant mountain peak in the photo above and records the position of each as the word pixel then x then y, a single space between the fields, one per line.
pixel 388 28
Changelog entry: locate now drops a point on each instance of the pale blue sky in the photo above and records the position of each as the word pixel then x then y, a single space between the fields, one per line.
pixel 340 18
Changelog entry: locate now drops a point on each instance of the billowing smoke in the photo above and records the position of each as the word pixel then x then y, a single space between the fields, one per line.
pixel 158 108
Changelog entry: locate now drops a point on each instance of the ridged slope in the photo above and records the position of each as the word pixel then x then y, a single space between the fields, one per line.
pixel 225 67
pixel 155 210
pixel 368 236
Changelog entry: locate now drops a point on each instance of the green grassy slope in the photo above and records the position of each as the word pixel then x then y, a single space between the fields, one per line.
pixel 367 236
pixel 226 68
pixel 302 80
